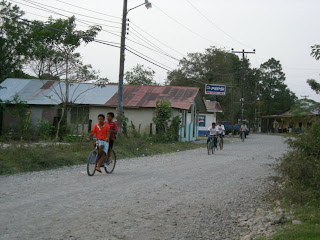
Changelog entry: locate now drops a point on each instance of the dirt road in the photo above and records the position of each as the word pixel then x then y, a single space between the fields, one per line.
pixel 184 195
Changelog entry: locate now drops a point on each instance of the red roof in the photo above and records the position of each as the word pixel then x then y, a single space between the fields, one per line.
pixel 147 96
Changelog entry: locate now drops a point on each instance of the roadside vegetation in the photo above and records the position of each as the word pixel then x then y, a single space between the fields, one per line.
pixel 298 186
pixel 22 157
pixel 24 152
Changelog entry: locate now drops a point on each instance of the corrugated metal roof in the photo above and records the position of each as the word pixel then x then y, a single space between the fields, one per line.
pixel 44 92
pixel 213 106
pixel 146 96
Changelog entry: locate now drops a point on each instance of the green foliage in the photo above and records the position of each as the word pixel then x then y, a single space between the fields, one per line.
pixel 274 93
pixel 315 52
pixel 139 75
pixel 212 66
pixel 162 115
pixel 46 130
pixel 13 39
pixel 300 168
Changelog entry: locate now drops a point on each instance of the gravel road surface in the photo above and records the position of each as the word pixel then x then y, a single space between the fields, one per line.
pixel 183 195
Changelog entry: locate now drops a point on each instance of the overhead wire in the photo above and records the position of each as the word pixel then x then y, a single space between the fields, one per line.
pixel 104 14
pixel 131 50
pixel 83 15
pixel 85 22
pixel 41 6
pixel 214 24
pixel 189 29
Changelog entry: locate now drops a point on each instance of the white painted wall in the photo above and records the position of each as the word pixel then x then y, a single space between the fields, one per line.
pixel 209 119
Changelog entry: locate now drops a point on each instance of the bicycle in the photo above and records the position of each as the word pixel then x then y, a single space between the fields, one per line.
pixel 242 135
pixel 108 164
pixel 220 142
pixel 210 145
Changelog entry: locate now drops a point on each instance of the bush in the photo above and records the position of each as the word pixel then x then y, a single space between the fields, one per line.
pixel 300 168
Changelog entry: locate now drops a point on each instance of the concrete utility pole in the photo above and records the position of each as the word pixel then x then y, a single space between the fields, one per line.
pixel 122 58
pixel 243 78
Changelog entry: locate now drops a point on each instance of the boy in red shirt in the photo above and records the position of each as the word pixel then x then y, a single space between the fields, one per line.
pixel 101 130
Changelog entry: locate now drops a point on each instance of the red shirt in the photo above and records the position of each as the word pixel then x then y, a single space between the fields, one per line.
pixel 113 127
pixel 100 132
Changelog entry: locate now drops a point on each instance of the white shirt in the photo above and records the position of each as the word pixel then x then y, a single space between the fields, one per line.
pixel 243 127
pixel 213 131
pixel 220 129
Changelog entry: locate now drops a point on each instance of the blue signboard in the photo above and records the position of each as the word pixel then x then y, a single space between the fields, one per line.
pixel 215 89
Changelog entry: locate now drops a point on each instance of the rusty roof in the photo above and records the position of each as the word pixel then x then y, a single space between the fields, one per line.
pixel 147 96
pixel 213 106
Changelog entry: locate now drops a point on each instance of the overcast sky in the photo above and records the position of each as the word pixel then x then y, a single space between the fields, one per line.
pixel 283 29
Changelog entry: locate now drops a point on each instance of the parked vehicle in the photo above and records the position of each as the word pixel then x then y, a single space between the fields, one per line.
pixel 228 127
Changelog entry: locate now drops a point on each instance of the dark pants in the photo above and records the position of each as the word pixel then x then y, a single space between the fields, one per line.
pixel 214 140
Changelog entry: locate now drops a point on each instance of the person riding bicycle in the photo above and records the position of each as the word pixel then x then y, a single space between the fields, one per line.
pixel 221 130
pixel 113 130
pixel 102 133
pixel 243 129
pixel 213 134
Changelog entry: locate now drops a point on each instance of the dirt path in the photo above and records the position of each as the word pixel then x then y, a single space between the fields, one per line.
pixel 184 195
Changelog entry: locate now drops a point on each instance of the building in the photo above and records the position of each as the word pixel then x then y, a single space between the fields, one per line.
pixel 209 116
pixel 289 122
pixel 43 98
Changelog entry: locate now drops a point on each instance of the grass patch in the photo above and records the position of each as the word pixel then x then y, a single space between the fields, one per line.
pixel 19 158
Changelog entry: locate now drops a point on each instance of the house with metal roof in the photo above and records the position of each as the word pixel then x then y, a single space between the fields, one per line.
pixel 209 116
pixel 88 100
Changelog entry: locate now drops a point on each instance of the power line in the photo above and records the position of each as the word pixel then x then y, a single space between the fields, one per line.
pixel 155 38
pixel 41 8
pixel 83 15
pixel 189 29
pixel 88 9
pixel 156 48
pixel 85 22
pixel 133 51
pixel 37 4
pixel 231 37
pixel 143 56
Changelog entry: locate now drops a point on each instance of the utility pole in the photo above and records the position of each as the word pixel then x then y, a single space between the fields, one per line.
pixel 243 78
pixel 305 96
pixel 125 12
pixel 121 70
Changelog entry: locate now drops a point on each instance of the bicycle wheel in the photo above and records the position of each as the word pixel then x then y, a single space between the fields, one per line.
pixel 209 147
pixel 213 148
pixel 92 163
pixel 111 163
pixel 220 144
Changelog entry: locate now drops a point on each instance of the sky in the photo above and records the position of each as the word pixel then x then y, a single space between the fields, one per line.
pixel 283 29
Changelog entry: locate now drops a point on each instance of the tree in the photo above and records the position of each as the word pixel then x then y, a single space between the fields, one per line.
pixel 14 43
pixel 52 56
pixel 212 66
pixel 315 52
pixel 139 75
pixel 162 115
pixel 274 93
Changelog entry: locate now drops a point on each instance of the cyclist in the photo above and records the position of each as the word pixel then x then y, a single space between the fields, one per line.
pixel 113 129
pixel 221 130
pixel 243 129
pixel 213 134
pixel 101 130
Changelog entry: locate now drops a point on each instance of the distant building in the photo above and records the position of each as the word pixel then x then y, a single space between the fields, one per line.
pixel 290 122
pixel 43 98
pixel 209 116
